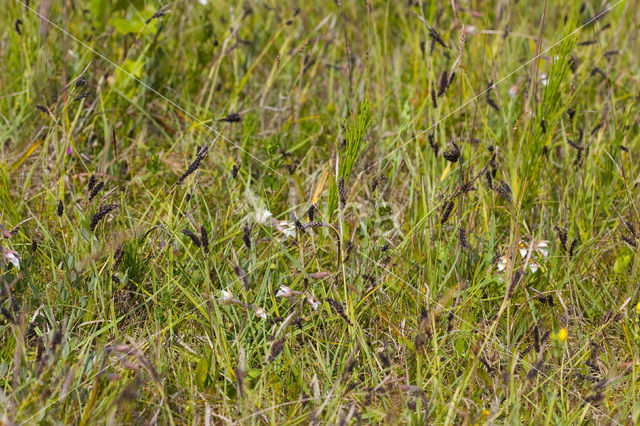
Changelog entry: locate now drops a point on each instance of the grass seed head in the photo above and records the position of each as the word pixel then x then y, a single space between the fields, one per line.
pixel 234 117
pixel 452 154
pixel 246 237
pixel 194 238
pixel 100 214
pixel 118 255
pixel 446 212
pixel 204 238
pixel 92 183
pixel 95 190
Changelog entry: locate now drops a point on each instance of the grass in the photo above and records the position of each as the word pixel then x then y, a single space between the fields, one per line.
pixel 249 212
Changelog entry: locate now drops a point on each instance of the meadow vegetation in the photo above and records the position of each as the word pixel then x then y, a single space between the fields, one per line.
pixel 345 212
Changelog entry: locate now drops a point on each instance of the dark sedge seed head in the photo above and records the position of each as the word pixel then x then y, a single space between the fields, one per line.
pixel 562 236
pixel 100 214
pixel 490 100
pixel 446 212
pixel 204 238
pixel 60 208
pixel 338 309
pixel 517 276
pixel 246 237
pixel 505 191
pixel 452 154
pixel 489 179
pixel 194 237
pixel 313 225
pixel 462 238
pixel 118 255
pixel 443 83
pixel 200 154
pixel 342 192
pixel 436 37
pixel 96 189
pixel 234 170
pixel 82 96
pixel 276 349
pixel 299 225
pixel 574 246
pixel 234 117
pixel 453 77
pixel 92 183
pixel 433 144
pixel 450 321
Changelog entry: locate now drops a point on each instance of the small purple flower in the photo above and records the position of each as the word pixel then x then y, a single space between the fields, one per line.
pixel 69 150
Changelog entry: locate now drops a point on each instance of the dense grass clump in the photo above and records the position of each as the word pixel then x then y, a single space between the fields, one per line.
pixel 342 212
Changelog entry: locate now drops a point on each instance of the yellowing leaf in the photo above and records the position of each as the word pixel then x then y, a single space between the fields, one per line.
pixel 25 155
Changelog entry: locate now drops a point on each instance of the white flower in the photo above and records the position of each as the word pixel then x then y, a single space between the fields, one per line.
pixel 544 79
pixel 12 256
pixel 542 247
pixel 226 297
pixel 260 312
pixel 311 300
pixel 523 250
pixel 502 263
pixel 287 228
pixel 513 90
pixel 203 2
pixel 533 267
pixel 263 216
pixel 469 29
pixel 284 291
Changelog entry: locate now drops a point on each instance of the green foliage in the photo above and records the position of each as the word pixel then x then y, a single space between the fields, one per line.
pixel 355 132
pixel 387 313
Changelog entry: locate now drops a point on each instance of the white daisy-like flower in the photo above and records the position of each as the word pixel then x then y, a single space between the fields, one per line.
pixel 284 291
pixel 311 300
pixel 533 267
pixel 226 297
pixel 263 216
pixel 502 263
pixel 260 312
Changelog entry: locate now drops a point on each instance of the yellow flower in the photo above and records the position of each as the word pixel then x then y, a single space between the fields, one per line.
pixel 485 414
pixel 638 308
pixel 562 335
